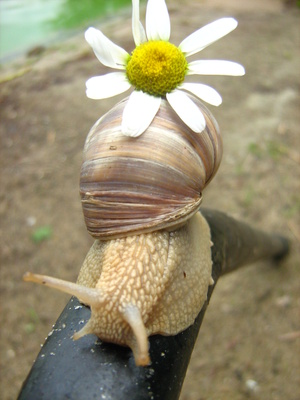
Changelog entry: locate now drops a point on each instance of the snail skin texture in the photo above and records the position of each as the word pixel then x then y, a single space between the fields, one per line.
pixel 149 268
pixel 137 286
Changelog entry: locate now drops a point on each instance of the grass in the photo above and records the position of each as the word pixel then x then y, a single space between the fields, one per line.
pixel 42 233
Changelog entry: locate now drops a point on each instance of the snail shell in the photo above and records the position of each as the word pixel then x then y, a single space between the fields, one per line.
pixel 137 185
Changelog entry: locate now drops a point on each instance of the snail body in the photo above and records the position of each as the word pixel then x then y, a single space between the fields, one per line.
pixel 149 268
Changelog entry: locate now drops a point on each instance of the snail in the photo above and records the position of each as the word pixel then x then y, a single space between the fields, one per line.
pixel 149 268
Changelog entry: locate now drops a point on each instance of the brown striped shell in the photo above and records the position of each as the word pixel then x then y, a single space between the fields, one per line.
pixel 134 185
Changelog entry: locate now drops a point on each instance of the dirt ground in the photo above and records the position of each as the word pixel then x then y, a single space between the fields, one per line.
pixel 249 344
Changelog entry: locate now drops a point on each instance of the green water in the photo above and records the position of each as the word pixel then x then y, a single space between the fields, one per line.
pixel 25 24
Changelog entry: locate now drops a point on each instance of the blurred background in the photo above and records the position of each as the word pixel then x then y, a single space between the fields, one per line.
pixel 249 343
pixel 25 24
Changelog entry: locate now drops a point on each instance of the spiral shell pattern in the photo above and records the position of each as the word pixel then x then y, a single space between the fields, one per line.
pixel 155 181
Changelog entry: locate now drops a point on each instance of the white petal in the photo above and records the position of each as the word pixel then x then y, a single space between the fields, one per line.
pixel 158 26
pixel 107 52
pixel 204 92
pixel 215 67
pixel 207 35
pixel 187 110
pixel 138 31
pixel 139 113
pixel 101 87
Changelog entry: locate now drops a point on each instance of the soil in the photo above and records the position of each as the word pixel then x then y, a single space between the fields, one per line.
pixel 249 343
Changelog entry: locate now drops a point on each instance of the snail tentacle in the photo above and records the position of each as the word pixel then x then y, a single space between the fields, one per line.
pixel 139 344
pixel 86 295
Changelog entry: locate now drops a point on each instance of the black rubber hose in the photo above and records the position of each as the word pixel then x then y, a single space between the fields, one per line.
pixel 90 369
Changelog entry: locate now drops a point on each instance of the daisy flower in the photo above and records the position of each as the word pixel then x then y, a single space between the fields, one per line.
pixel 157 69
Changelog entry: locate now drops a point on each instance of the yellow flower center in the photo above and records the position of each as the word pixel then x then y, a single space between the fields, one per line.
pixel 156 67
